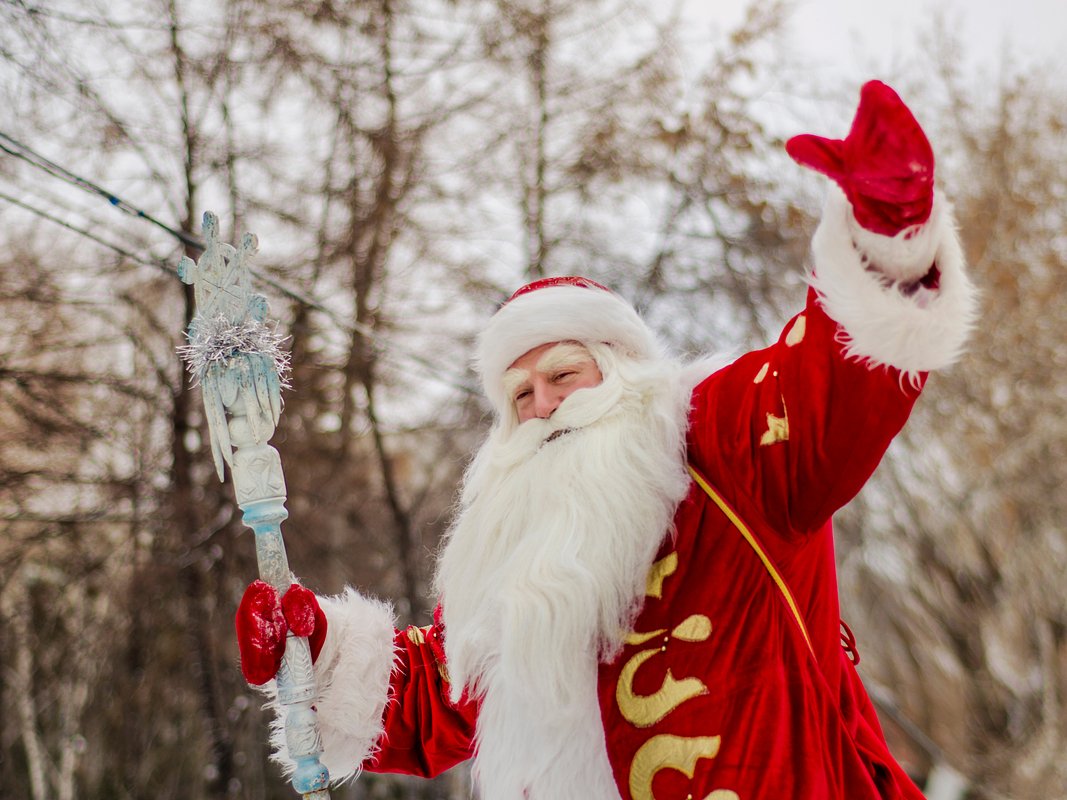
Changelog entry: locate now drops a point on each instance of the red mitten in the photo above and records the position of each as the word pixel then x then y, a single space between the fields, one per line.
pixel 261 632
pixel 885 165
pixel 305 617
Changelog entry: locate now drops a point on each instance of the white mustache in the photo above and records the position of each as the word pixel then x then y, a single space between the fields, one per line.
pixel 557 434
pixel 581 408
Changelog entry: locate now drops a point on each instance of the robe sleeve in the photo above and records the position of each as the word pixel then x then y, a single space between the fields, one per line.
pixel 381 696
pixel 796 429
pixel 424 733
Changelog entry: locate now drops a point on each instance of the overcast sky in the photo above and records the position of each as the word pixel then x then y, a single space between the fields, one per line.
pixel 846 34
pixel 843 42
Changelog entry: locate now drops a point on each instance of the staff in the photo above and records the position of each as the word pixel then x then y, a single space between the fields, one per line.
pixel 240 366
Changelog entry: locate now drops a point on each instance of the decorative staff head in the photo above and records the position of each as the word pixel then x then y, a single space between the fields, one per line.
pixel 232 353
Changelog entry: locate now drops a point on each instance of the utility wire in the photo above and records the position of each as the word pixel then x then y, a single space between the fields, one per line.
pixel 62 204
pixel 35 159
pixel 21 151
pixel 40 11
pixel 26 154
pixel 162 264
pixel 348 326
pixel 158 263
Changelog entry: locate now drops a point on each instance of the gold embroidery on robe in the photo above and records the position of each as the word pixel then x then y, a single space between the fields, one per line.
pixel 696 628
pixel 762 372
pixel 641 638
pixel 442 670
pixel 416 635
pixel 664 751
pixel 796 333
pixel 644 711
pixel 777 428
pixel 723 794
pixel 659 572
pixel 668 752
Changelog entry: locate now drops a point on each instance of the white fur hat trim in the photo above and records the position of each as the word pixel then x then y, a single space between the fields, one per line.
pixel 556 313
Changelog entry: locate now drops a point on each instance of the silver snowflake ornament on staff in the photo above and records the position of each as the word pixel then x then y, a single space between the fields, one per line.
pixel 238 361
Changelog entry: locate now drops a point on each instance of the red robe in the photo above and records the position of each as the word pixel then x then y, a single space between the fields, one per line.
pixel 717 695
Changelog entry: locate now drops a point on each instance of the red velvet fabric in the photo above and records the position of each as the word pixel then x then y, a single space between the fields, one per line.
pixel 885 165
pixel 559 280
pixel 787 435
pixel 425 733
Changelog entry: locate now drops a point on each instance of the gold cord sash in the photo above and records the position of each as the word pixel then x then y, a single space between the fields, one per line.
pixel 751 539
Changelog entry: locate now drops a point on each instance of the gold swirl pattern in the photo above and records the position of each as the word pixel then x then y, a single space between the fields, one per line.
pixel 659 572
pixel 665 751
pixel 668 752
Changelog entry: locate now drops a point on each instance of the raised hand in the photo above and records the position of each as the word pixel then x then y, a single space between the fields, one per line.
pixel 885 165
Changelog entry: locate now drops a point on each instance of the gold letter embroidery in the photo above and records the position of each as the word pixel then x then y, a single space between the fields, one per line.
pixel 643 711
pixel 668 752
pixel 777 428
pixel 646 710
pixel 659 572
pixel 796 333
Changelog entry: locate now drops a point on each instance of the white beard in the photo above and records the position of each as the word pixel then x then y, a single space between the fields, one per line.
pixel 545 569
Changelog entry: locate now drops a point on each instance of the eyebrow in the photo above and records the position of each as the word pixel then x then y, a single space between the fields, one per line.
pixel 565 354
pixel 513 379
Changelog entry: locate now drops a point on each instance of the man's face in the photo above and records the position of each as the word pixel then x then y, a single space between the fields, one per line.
pixel 542 378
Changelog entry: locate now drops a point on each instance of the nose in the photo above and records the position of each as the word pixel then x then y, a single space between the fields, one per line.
pixel 546 400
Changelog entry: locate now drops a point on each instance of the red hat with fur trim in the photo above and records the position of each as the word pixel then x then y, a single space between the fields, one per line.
pixel 560 309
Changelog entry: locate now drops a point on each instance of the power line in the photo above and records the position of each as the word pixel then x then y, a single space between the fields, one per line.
pixel 25 153
pixel 348 326
pixel 68 207
pixel 292 294
pixel 158 263
pixel 40 11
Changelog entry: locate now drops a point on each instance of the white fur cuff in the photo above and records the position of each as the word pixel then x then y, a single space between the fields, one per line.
pixel 352 681
pixel 859 276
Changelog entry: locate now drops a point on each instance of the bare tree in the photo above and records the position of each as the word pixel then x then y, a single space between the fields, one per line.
pixel 404 165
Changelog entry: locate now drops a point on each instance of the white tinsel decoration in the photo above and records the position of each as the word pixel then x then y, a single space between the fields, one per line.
pixel 214 342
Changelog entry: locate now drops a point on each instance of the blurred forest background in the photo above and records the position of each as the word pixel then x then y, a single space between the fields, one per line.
pixel 406 164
